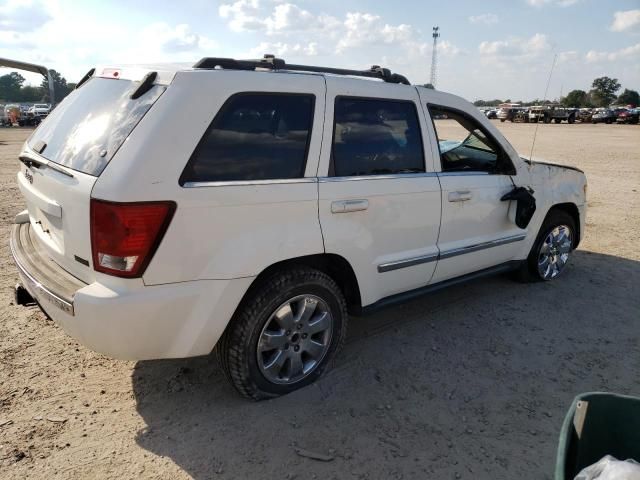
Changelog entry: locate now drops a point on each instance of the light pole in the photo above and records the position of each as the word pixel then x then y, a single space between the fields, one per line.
pixel 434 57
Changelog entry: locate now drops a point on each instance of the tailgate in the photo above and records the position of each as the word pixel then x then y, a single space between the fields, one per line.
pixel 58 207
pixel 66 154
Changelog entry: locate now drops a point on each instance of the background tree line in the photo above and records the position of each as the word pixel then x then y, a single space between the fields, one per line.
pixel 602 94
pixel 13 89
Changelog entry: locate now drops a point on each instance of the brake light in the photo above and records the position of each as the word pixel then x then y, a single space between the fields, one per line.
pixel 124 236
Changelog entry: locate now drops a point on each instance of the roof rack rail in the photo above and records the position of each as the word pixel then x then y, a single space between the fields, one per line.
pixel 270 62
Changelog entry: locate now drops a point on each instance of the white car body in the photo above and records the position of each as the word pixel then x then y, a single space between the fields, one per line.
pixel 40 109
pixel 398 233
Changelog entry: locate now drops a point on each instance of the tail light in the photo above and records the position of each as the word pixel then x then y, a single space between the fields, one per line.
pixel 124 236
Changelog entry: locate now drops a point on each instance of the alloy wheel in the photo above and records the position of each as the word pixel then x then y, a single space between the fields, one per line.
pixel 554 252
pixel 295 339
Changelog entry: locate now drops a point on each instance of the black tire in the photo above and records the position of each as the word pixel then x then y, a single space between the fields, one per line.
pixel 237 348
pixel 528 271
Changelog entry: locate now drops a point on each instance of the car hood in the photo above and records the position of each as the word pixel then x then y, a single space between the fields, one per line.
pixel 448 145
pixel 544 164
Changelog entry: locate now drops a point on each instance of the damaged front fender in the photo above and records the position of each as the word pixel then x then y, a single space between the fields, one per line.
pixel 565 184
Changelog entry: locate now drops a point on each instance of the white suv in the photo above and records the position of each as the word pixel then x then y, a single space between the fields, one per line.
pixel 252 205
pixel 39 110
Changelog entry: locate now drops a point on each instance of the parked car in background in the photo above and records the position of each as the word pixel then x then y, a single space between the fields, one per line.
pixel 39 110
pixel 35 114
pixel 584 115
pixel 548 114
pixel 11 114
pixel 492 113
pixel 508 111
pixel 603 116
pixel 618 110
pixel 521 115
pixel 290 200
pixel 628 116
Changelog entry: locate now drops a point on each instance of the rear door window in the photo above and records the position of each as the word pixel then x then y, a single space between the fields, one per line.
pixel 88 127
pixel 255 136
pixel 376 137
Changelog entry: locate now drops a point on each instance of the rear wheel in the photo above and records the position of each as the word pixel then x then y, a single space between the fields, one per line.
pixel 285 334
pixel 551 251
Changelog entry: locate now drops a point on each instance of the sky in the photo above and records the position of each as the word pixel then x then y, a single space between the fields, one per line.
pixel 487 49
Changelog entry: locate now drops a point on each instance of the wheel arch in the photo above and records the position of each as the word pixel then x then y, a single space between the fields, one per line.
pixel 572 210
pixel 336 266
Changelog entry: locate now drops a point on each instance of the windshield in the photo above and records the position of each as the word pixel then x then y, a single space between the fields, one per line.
pixel 86 130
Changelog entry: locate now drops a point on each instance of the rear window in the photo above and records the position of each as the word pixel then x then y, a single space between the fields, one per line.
pixel 86 130
pixel 255 136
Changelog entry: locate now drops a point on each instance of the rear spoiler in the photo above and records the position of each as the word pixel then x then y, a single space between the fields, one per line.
pixel 159 75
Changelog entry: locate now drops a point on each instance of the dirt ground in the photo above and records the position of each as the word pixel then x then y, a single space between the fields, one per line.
pixel 473 382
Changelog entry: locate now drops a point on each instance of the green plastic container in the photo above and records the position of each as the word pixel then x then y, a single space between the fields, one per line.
pixel 598 424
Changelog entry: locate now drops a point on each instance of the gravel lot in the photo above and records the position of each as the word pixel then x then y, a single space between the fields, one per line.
pixel 470 383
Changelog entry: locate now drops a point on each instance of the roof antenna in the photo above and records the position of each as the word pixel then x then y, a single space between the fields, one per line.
pixel 546 90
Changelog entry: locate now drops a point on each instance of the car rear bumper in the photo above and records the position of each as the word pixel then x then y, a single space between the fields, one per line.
pixel 139 323
pixel 45 280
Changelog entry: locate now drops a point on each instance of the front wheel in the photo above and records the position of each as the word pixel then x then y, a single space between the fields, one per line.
pixel 285 334
pixel 551 251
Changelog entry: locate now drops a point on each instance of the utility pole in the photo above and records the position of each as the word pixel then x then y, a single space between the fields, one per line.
pixel 434 57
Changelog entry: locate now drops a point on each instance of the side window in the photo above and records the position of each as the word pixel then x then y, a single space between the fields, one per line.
pixel 255 136
pixel 464 144
pixel 375 137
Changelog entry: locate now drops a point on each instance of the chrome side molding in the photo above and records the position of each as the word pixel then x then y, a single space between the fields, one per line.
pixel 481 246
pixel 356 178
pixel 410 262
pixel 239 183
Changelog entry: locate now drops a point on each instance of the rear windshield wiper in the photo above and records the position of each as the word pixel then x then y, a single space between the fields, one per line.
pixel 32 161
pixel 35 162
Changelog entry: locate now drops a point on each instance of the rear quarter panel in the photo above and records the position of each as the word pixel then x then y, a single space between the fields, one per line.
pixel 218 232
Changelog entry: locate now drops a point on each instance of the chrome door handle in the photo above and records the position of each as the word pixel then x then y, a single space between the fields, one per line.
pixel 343 206
pixel 459 196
